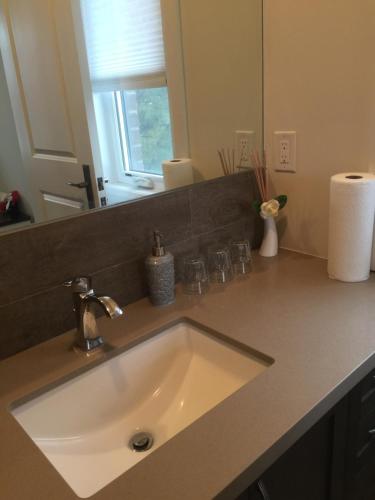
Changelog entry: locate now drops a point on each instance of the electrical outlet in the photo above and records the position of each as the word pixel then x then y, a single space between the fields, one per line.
pixel 245 143
pixel 284 151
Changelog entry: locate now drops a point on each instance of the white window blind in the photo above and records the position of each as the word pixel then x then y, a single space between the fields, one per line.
pixel 124 42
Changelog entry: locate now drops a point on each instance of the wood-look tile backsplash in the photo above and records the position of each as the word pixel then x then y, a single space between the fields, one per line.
pixel 111 246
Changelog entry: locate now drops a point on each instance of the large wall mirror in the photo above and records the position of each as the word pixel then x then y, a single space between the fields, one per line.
pixel 106 101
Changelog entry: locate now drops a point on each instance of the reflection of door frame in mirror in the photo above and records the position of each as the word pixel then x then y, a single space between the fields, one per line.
pixel 87 93
pixel 48 169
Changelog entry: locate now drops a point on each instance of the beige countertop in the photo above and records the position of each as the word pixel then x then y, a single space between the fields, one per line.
pixel 321 334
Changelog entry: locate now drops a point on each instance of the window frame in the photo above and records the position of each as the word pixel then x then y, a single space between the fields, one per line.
pixel 175 71
pixel 174 80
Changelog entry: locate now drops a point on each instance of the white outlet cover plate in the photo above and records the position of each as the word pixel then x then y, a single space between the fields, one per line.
pixel 278 138
pixel 249 137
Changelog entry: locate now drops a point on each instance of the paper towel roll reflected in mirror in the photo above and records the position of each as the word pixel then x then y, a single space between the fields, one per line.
pixel 351 226
pixel 178 173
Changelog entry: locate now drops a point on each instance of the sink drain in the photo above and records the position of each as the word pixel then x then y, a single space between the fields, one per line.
pixel 141 441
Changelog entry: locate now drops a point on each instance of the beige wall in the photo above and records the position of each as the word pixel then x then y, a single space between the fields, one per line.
pixel 319 81
pixel 222 48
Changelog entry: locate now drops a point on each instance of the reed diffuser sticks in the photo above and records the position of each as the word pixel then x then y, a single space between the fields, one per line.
pixel 261 174
pixel 227 160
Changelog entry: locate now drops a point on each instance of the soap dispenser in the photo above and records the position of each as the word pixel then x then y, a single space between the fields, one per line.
pixel 160 274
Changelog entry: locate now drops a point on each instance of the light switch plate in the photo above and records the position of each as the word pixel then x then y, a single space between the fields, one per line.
pixel 284 151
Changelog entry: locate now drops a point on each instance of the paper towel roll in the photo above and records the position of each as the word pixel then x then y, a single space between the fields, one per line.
pixel 177 173
pixel 351 226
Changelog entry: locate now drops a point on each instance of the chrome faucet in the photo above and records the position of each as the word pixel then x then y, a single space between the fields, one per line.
pixel 85 300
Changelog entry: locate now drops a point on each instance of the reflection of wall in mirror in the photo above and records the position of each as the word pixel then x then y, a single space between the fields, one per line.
pixel 223 69
pixel 12 175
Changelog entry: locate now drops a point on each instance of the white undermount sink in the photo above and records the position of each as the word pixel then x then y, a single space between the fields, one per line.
pixel 160 386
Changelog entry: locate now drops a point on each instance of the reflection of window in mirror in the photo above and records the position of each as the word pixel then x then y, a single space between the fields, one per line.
pixel 126 48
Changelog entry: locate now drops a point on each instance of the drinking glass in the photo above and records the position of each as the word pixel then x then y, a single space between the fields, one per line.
pixel 219 264
pixel 195 277
pixel 241 257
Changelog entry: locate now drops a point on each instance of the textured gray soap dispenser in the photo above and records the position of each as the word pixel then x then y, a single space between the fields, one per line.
pixel 160 274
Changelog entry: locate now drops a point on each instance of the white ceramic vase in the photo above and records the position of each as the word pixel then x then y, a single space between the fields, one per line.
pixel 270 244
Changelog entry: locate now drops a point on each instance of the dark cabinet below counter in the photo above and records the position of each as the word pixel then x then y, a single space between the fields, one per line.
pixel 361 441
pixel 334 460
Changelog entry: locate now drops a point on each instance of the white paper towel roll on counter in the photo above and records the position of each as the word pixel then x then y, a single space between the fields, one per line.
pixel 177 173
pixel 351 226
pixel 352 209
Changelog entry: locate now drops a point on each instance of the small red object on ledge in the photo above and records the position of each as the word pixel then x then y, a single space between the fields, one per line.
pixel 9 202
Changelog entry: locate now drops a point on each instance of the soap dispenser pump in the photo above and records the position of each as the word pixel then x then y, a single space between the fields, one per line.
pixel 160 274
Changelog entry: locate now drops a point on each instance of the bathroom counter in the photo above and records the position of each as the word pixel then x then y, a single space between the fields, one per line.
pixel 321 334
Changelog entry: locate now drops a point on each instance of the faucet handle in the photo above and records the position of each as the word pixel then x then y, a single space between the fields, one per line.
pixel 80 284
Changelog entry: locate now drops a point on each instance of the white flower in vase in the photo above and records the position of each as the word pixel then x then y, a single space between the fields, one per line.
pixel 269 209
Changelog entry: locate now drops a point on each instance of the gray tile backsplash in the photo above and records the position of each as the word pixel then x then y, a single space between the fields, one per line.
pixel 47 255
pixel 111 245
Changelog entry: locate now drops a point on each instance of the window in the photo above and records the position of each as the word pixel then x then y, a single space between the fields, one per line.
pixel 125 51
pixel 145 129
